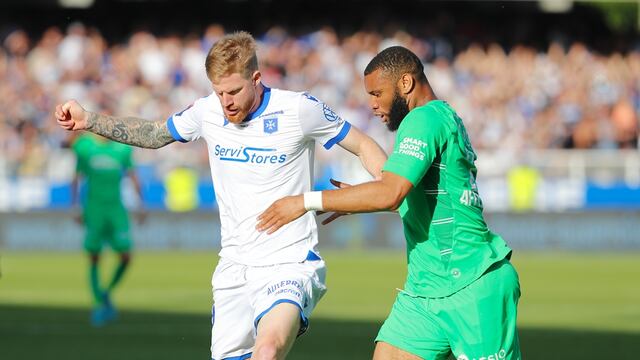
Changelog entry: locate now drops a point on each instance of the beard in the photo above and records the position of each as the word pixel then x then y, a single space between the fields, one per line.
pixel 399 109
pixel 238 118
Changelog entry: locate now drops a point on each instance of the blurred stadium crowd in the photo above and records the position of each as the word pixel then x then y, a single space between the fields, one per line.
pixel 511 99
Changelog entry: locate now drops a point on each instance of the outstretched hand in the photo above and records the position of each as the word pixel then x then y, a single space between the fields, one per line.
pixel 281 213
pixel 290 208
pixel 71 116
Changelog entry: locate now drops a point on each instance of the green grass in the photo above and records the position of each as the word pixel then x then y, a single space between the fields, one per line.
pixel 574 306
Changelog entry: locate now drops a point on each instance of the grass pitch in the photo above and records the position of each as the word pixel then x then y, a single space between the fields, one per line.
pixel 574 306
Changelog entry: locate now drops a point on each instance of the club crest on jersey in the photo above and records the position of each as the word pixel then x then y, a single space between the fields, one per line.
pixel 270 125
pixel 329 114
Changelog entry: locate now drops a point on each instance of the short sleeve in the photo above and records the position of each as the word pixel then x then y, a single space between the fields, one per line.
pixel 186 125
pixel 420 138
pixel 80 165
pixel 127 162
pixel 81 148
pixel 320 122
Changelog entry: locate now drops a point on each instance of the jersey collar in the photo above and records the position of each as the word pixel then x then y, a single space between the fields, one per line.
pixel 266 95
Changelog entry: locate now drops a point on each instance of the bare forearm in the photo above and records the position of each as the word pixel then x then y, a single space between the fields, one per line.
pixel 130 130
pixel 367 197
pixel 136 183
pixel 385 194
pixel 74 191
pixel 372 158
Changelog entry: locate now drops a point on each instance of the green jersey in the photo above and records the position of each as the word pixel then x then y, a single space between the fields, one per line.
pixel 103 163
pixel 448 242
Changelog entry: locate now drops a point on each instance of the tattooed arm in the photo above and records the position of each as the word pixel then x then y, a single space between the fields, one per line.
pixel 127 130
pixel 130 130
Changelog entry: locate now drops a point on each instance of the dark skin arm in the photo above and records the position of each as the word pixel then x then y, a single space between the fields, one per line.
pixel 385 194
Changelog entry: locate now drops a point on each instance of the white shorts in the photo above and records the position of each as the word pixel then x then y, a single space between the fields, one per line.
pixel 242 295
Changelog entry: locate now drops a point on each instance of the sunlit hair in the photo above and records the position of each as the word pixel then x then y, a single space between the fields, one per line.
pixel 233 53
pixel 396 61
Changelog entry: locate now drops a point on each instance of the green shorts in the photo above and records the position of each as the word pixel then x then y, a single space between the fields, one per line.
pixel 106 224
pixel 477 322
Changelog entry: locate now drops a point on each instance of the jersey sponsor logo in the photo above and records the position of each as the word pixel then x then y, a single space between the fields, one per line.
pixel 250 155
pixel 502 354
pixel 291 287
pixel 270 125
pixel 104 162
pixel 413 147
pixel 279 112
pixel 329 114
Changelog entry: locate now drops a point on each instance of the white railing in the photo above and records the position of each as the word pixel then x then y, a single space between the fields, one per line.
pixel 598 165
pixel 563 177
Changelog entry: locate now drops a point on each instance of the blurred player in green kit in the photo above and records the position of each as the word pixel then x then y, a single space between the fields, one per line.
pixel 104 163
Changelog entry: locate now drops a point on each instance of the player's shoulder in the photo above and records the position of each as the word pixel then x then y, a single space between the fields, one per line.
pixel 286 101
pixel 82 142
pixel 283 96
pixel 435 111
pixel 210 101
pixel 123 148
pixel 118 150
pixel 432 108
pixel 205 109
pixel 434 117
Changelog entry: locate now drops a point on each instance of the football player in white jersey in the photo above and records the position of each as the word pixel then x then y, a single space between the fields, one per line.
pixel 261 143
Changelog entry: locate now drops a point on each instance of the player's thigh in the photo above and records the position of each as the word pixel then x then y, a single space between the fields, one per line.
pixel 299 284
pixel 232 332
pixel 412 328
pixel 95 229
pixel 384 351
pixel 120 236
pixel 481 318
pixel 279 327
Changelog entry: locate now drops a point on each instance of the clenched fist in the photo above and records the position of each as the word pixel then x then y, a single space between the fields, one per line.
pixel 71 116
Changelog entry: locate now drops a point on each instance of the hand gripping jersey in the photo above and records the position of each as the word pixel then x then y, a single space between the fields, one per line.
pixel 268 156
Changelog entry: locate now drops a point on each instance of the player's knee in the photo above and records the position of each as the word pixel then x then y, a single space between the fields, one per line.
pixel 266 350
pixel 125 258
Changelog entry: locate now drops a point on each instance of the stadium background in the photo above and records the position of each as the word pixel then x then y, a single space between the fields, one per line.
pixel 549 91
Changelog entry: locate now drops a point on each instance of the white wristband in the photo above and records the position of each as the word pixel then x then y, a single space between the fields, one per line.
pixel 313 201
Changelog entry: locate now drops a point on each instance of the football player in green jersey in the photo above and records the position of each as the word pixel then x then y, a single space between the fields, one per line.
pixel 103 163
pixel 461 292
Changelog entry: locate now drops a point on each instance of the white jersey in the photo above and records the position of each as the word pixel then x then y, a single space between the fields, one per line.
pixel 268 156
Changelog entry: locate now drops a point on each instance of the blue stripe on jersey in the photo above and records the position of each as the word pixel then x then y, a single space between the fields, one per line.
pixel 305 321
pixel 174 132
pixel 263 104
pixel 341 135
pixel 241 357
pixel 311 256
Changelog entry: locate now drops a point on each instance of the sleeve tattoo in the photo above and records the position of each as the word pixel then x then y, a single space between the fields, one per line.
pixel 130 130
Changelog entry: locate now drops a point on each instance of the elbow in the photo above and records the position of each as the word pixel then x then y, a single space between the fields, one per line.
pixel 391 201
pixel 393 190
pixel 396 204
